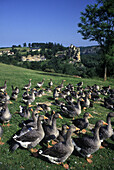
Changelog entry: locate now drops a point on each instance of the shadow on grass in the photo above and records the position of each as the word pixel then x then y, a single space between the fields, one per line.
pixel 107 144
pixel 54 74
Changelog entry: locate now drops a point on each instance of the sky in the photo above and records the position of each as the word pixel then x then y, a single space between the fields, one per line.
pixel 42 21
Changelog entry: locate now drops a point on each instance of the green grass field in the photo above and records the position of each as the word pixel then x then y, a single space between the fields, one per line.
pixel 22 158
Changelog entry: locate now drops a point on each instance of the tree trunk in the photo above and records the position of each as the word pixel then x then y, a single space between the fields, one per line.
pixel 105 73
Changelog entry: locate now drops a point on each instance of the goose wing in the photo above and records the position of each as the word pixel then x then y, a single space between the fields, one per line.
pixel 29 136
pixel 58 150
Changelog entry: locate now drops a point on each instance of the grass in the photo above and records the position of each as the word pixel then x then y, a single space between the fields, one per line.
pixel 22 158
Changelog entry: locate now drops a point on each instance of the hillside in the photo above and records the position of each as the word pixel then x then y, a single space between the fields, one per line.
pixel 22 158
pixel 83 61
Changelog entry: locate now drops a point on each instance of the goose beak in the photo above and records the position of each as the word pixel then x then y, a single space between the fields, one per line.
pixel 60 116
pixel 67 127
pixel 56 98
pixel 53 112
pixel 82 100
pixel 45 117
pixel 38 111
pixel 30 105
pixel 104 123
pixel 89 96
pixel 11 102
pixel 90 115
pixel 31 109
pixel 41 108
pixel 77 128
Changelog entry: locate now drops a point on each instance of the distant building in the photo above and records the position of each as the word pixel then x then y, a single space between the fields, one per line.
pixel 74 53
pixel 35 49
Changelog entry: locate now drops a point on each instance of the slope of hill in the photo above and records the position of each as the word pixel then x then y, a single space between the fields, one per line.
pixel 22 158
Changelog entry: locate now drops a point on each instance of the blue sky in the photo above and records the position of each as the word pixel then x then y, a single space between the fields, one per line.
pixel 42 21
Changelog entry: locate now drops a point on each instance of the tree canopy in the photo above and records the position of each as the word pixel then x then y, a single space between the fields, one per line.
pixel 97 24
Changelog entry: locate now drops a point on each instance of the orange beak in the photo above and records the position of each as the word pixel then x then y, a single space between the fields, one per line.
pixel 53 112
pixel 31 109
pixel 77 128
pixel 67 127
pixel 104 123
pixel 90 115
pixel 45 117
pixel 60 116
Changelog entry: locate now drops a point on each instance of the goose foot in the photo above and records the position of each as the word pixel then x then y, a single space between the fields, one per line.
pixel 101 147
pixel 34 150
pixel 8 125
pixel 66 166
pixel 49 146
pixel 83 131
pixel 89 160
pixel 53 142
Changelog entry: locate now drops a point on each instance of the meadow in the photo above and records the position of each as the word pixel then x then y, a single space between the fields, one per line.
pixel 22 158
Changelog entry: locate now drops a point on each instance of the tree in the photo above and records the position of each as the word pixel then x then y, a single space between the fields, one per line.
pixel 97 24
pixel 29 45
pixel 24 44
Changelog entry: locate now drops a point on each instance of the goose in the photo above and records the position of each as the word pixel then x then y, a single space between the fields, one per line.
pixel 87 145
pixel 69 98
pixel 58 102
pixel 1 132
pixel 59 87
pixel 40 84
pixel 28 85
pixel 94 96
pixel 64 93
pixel 96 87
pixel 51 131
pixel 14 96
pixel 62 133
pixel 15 90
pixel 4 96
pixel 48 90
pixel 106 132
pixel 72 110
pixel 5 114
pixel 44 107
pixel 3 88
pixel 80 84
pixel 26 93
pixel 50 118
pixel 61 151
pixel 50 84
pixel 55 93
pixel 39 93
pixel 82 123
pixel 109 103
pixel 86 102
pixel 33 121
pixel 31 137
pixel 24 111
pixel 70 87
pixel 29 99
